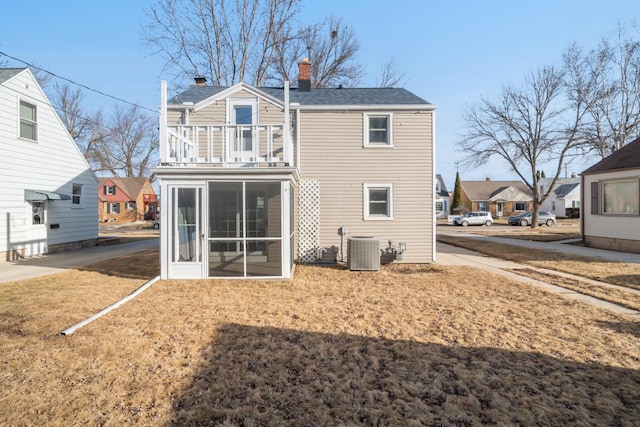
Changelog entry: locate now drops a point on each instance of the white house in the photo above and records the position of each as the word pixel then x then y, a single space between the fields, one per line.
pixel 48 194
pixel 442 198
pixel 566 194
pixel 610 216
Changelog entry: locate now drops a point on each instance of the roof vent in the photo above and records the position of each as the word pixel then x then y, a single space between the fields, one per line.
pixel 363 253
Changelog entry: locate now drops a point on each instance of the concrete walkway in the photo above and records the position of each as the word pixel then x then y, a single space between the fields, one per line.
pixel 55 263
pixel 558 246
pixel 453 255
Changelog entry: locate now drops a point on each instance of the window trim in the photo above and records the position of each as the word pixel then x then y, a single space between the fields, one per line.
pixel 109 187
pixel 110 206
pixel 367 186
pixel 515 206
pixel 365 122
pixel 80 204
pixel 31 122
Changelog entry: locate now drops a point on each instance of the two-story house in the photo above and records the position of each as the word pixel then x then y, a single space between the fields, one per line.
pixel 48 194
pixel 126 199
pixel 254 179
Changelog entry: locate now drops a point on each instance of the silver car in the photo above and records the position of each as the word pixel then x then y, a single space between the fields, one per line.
pixel 474 218
pixel 526 218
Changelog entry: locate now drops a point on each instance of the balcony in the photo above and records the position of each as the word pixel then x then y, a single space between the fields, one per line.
pixel 260 145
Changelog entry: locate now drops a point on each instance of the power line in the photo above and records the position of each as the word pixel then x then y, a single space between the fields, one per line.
pixel 79 84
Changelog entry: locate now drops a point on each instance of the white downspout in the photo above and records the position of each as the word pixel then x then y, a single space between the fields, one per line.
pixel 433 199
pixel 298 138
pixel 164 142
pixel 288 158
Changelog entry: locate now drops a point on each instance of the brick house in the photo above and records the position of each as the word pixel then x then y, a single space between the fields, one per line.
pixel 126 199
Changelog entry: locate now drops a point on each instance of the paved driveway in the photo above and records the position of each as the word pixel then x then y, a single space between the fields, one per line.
pixel 54 263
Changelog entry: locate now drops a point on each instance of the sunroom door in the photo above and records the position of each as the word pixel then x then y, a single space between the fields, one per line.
pixel 242 134
pixel 186 235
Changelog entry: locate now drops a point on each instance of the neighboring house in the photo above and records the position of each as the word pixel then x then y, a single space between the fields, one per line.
pixel 565 195
pixel 501 198
pixel 610 216
pixel 254 179
pixel 442 198
pixel 126 199
pixel 48 194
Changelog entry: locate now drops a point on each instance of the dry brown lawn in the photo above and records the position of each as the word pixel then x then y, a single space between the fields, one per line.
pixel 410 345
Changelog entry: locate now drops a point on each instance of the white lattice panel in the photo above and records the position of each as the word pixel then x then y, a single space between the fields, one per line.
pixel 308 219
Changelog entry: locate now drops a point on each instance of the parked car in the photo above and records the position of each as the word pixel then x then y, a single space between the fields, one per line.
pixel 156 224
pixel 526 218
pixel 474 218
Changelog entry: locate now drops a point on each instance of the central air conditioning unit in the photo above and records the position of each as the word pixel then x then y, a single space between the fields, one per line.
pixel 363 253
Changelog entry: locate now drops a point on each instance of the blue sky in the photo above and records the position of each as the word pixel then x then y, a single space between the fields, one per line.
pixel 453 52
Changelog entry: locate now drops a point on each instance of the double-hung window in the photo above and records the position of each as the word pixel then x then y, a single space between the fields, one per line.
pixel 110 189
pixel 378 201
pixel 76 195
pixel 113 208
pixel 28 123
pixel 520 206
pixel 378 130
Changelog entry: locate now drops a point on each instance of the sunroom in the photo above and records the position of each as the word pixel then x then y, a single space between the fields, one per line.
pixel 228 227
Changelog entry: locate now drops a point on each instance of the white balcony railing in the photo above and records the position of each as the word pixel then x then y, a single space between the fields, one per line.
pixel 227 145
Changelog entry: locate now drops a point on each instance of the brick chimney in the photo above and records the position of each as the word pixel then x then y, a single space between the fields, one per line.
pixel 304 75
pixel 201 81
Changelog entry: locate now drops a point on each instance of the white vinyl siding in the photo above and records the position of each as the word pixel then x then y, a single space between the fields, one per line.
pixel 53 164
pixel 599 224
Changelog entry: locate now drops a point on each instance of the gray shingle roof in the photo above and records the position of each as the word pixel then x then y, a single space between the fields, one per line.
pixel 7 73
pixel 626 157
pixel 564 189
pixel 316 97
pixel 485 190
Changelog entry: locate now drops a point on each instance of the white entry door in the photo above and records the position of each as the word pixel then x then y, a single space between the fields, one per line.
pixel 186 234
pixel 243 138
pixel 499 209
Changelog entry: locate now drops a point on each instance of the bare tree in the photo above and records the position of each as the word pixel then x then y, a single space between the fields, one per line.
pixel 528 128
pixel 331 46
pixel 131 144
pixel 227 41
pixel 607 81
pixel 390 74
pixel 87 129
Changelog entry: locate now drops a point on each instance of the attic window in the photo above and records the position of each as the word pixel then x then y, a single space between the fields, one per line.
pixel 28 123
pixel 110 189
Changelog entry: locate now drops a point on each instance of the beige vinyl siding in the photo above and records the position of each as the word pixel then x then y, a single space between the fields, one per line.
pixel 332 152
pixel 215 114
